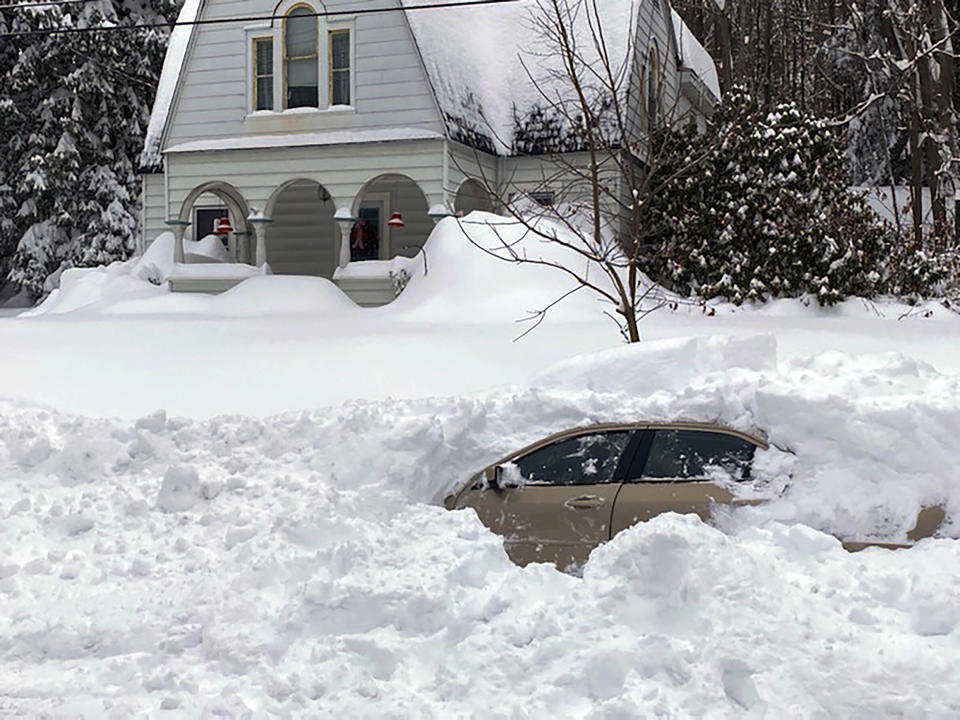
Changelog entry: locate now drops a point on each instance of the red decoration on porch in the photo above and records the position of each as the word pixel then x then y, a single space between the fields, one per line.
pixel 223 227
pixel 396 220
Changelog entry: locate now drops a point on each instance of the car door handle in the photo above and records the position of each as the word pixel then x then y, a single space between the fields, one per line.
pixel 584 502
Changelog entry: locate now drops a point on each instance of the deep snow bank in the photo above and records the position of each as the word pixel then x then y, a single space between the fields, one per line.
pixel 291 565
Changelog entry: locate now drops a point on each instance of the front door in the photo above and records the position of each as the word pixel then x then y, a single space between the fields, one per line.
pixel 559 505
pixel 367 233
pixel 682 471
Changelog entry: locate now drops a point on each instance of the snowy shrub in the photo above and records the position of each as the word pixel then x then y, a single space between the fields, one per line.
pixel 916 272
pixel 759 207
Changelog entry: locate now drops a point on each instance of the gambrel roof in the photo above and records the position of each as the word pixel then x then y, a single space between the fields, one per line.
pixel 493 72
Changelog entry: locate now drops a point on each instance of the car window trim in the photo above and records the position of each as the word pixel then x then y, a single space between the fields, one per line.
pixel 637 427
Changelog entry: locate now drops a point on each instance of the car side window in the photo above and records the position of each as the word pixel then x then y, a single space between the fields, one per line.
pixel 689 455
pixel 582 460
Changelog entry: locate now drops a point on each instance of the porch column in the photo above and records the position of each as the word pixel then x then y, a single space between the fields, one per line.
pixel 258 221
pixel 345 220
pixel 179 228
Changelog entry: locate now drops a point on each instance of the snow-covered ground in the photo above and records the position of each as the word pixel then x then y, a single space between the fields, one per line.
pixel 117 346
pixel 223 558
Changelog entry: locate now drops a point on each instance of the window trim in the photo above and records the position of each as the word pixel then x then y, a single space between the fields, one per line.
pixel 315 56
pixel 339 30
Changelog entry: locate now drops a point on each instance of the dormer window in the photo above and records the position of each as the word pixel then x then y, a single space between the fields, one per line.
pixel 300 58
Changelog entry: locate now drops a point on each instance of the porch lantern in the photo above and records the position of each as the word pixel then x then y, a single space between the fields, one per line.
pixel 396 220
pixel 223 227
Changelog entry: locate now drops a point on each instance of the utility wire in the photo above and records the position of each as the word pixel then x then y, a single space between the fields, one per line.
pixel 45 3
pixel 249 18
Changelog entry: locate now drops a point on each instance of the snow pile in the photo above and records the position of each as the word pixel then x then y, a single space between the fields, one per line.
pixel 647 368
pixel 470 279
pixel 85 288
pixel 208 249
pixel 298 565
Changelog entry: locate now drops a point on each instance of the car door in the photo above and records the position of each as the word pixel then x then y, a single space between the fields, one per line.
pixel 557 499
pixel 683 470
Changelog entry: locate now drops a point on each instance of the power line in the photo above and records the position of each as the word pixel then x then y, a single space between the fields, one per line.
pixel 248 18
pixel 45 3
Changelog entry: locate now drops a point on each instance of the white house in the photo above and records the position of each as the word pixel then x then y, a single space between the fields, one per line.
pixel 310 124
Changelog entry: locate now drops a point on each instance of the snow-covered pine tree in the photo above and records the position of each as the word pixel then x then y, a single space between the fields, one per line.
pixel 768 212
pixel 73 112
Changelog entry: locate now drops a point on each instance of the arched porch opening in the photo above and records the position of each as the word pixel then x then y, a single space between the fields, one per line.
pixel 372 237
pixel 302 239
pixel 472 195
pixel 206 204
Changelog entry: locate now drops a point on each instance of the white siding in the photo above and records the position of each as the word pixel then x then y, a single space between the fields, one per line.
pixel 153 214
pixel 653 25
pixel 464 162
pixel 390 86
pixel 342 169
pixel 302 240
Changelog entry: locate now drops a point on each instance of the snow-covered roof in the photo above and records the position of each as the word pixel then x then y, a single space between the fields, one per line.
pixel 492 66
pixel 169 75
pixel 694 56
pixel 491 69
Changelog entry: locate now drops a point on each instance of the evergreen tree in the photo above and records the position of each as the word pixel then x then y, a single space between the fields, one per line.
pixel 768 213
pixel 73 112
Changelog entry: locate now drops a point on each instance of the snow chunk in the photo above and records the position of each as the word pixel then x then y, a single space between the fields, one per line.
pixel 180 489
pixel 155 422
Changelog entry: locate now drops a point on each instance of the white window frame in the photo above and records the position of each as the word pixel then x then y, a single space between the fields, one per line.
pixel 339 25
pixel 261 31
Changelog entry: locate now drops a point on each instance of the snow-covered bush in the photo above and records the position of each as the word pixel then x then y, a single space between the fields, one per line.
pixel 915 273
pixel 760 207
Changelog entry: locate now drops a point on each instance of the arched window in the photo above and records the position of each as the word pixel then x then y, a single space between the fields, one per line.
pixel 300 58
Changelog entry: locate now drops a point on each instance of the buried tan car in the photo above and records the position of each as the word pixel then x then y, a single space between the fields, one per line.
pixel 559 498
